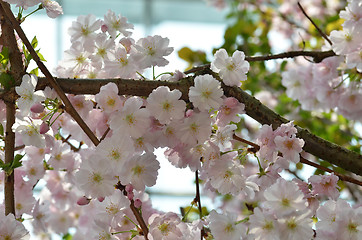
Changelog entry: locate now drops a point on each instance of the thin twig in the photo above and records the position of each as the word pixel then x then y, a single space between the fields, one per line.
pixel 197 197
pixel 105 134
pixel 135 211
pixel 315 25
pixel 66 140
pixel 317 56
pixel 305 161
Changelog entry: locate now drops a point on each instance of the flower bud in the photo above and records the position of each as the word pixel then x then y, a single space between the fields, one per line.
pixel 137 203
pixel 44 128
pixel 83 201
pixel 37 108
pixel 104 28
pixel 129 188
pixel 130 196
pixel 101 199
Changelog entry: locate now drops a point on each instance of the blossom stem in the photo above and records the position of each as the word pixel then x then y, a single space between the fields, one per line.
pixel 39 8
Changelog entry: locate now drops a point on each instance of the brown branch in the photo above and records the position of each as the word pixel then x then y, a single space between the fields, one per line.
pixel 16 70
pixel 305 161
pixel 9 157
pixel 135 211
pixel 330 152
pixel 314 24
pixel 317 56
pixel 68 106
pixel 105 134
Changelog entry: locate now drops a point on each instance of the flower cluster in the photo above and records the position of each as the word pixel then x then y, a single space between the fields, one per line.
pixel 323 86
pixel 91 188
pixel 104 48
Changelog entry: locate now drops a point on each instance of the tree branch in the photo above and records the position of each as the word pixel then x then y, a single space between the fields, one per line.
pixel 16 70
pixel 314 24
pixel 315 145
pixel 317 56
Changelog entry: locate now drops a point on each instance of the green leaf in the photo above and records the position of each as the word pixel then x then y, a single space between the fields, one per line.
pixel 17 161
pixel 4 56
pixel 67 237
pixel 41 56
pixel 34 42
pixel 6 80
pixel 35 71
pixel 1 130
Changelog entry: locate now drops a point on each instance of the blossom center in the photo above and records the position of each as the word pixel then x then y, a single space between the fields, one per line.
pixel 285 202
pixel 96 178
pixel 115 155
pixel 138 170
pixel 166 106
pixel 352 227
pixel 111 101
pixel 206 94
pixel 164 228
pixel 229 228
pixel 289 144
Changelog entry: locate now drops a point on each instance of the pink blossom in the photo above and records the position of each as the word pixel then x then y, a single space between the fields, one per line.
pixel 229 111
pixel 289 147
pixel 132 119
pixel 207 93
pixel 223 226
pixel 10 228
pixel 150 51
pixel 165 105
pixel 108 98
pixel 233 69
pixel 165 227
pixel 117 24
pixel 140 171
pixel 325 185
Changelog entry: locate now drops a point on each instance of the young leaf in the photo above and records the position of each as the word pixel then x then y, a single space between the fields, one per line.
pixel 6 80
pixel 34 42
pixel 1 130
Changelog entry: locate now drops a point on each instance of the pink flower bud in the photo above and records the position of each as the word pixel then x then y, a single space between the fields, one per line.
pixel 37 108
pixel 101 199
pixel 104 28
pixel 83 201
pixel 130 196
pixel 44 128
pixel 127 43
pixel 137 203
pixel 189 113
pixel 129 188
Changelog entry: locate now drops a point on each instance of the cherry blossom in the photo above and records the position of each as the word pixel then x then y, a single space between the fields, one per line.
pixel 10 228
pixel 28 97
pixel 53 9
pixel 233 69
pixel 206 93
pixel 150 51
pixel 165 105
